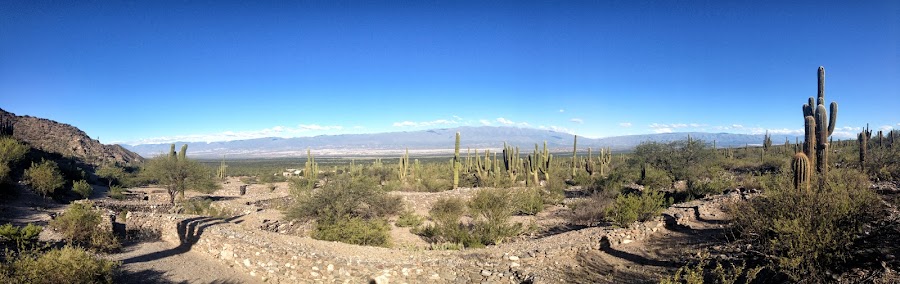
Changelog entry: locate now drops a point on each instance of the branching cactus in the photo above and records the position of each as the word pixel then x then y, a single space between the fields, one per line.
pixel 823 123
pixel 589 163
pixel 605 159
pixel 511 161
pixel 801 171
pixel 403 166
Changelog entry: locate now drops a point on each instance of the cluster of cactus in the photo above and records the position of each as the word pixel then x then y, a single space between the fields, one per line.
pixel 511 161
pixel 767 142
pixel 603 161
pixel 178 155
pixel 539 162
pixel 486 168
pixel 818 126
pixel 221 172
pixel 311 168
pixel 801 171
pixel 403 166
pixel 6 126
pixel 455 164
pixel 377 163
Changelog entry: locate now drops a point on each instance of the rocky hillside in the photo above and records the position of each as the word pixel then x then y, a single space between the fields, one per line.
pixel 54 137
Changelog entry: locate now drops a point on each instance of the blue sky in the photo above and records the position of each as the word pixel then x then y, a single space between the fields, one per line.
pixel 157 71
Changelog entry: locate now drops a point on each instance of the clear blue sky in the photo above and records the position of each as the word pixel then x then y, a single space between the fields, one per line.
pixel 144 71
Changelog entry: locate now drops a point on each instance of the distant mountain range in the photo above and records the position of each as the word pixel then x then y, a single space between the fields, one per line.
pixel 432 142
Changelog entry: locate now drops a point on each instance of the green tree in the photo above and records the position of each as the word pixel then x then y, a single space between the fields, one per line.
pixel 111 173
pixel 177 173
pixel 10 152
pixel 44 177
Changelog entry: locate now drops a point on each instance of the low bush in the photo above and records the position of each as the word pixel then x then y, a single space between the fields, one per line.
pixel 60 265
pixel 80 225
pixel 491 210
pixel 355 202
pixel 354 230
pixel 408 219
pixel 592 210
pixel 116 192
pixel 203 206
pixel 804 232
pixel 631 207
pixel 82 188
pixel 699 272
pixel 529 201
pixel 20 236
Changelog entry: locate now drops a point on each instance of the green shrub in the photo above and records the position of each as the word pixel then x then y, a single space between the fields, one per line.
pixel 700 271
pixel 116 192
pixel 62 265
pixel 82 188
pixel 632 207
pixel 354 230
pixel 21 236
pixel 528 201
pixel 203 206
pixel 345 197
pixel 805 232
pixel 81 225
pixel 491 210
pixel 408 219
pixel 44 177
pixel 655 179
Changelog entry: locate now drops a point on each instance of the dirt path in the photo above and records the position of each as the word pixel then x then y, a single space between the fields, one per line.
pixel 162 262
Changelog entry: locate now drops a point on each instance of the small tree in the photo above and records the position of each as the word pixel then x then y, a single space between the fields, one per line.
pixel 111 173
pixel 44 177
pixel 177 173
pixel 10 152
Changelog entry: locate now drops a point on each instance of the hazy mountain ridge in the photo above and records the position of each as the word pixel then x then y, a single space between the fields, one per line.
pixel 433 141
pixel 66 140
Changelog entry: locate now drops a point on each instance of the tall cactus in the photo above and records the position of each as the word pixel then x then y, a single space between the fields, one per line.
pixel 589 163
pixel 574 155
pixel 767 142
pixel 801 171
pixel 311 169
pixel 863 141
pixel 221 172
pixel 172 153
pixel 823 123
pixel 183 154
pixel 403 166
pixel 456 163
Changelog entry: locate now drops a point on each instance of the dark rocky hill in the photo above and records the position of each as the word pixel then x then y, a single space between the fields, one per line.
pixel 66 140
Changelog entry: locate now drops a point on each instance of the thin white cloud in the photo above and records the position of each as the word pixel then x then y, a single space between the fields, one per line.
pixel 276 131
pixel 577 120
pixel 320 127
pixel 625 124
pixel 676 125
pixel 885 128
pixel 662 130
pixel 505 121
pixel 484 122
pixel 524 124
pixel 737 126
pixel 562 110
pixel 407 123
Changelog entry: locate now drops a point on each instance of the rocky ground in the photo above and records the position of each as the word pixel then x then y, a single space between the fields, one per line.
pixel 641 253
